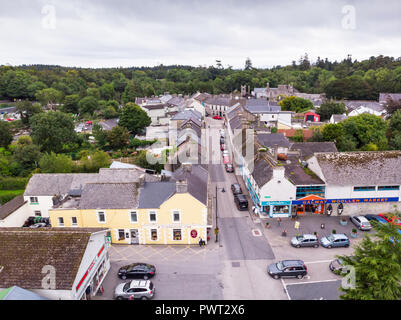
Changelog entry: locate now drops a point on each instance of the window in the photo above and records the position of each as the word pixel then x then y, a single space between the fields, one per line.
pixel 121 234
pixel 61 222
pixel 152 216
pixel 153 234
pixel 177 234
pixel 176 216
pixel 302 192
pixel 369 188
pixel 134 217
pixel 101 217
pixel 384 188
pixel 74 221
pixel 38 213
pixel 34 200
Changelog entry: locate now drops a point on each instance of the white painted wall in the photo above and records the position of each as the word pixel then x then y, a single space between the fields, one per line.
pixel 44 204
pixel 278 191
pixel 17 218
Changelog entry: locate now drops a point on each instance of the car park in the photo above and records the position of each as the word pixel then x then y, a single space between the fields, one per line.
pixel 135 289
pixel 335 240
pixel 229 167
pixel 287 269
pixel 305 240
pixel 337 265
pixel 137 270
pixel 241 202
pixel 361 222
pixel 236 188
pixel 376 218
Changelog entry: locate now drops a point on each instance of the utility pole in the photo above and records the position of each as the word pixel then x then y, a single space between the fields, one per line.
pixel 216 230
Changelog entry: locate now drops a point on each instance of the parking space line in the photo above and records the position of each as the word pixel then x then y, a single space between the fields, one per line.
pixel 285 289
pixel 303 282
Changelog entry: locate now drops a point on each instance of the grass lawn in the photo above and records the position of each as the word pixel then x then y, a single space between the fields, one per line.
pixel 7 195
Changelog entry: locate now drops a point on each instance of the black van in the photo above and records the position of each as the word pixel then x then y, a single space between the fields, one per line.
pixel 241 202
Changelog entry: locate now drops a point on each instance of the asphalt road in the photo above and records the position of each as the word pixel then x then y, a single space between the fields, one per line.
pixel 328 290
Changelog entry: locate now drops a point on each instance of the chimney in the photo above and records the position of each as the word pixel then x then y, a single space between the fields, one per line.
pixel 181 186
pixel 278 173
pixel 141 181
pixel 275 151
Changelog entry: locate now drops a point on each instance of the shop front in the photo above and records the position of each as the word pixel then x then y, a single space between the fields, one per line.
pixel 276 209
pixel 310 204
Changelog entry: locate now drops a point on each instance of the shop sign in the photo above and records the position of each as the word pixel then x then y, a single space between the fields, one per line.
pixel 194 233
pixel 276 203
pixel 357 200
pixel 89 269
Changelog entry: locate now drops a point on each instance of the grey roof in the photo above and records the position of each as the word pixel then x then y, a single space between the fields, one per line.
pixel 47 184
pixel 262 172
pixel 109 196
pixel 235 122
pixel 222 101
pixel 307 149
pixel 339 117
pixel 175 101
pixel 393 96
pixel 187 114
pixel 154 106
pixel 197 181
pixel 355 104
pixel 163 190
pixel 361 168
pixel 125 175
pixel 261 106
pixel 270 139
pixel 12 205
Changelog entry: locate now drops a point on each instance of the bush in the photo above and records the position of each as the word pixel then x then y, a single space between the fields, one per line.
pixel 11 183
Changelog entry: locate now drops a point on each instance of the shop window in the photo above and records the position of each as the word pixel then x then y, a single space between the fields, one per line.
pixel 121 234
pixel 38 213
pixel 134 217
pixel 281 209
pixel 177 234
pixel 153 234
pixel 74 221
pixel 34 200
pixel 61 222
pixel 385 188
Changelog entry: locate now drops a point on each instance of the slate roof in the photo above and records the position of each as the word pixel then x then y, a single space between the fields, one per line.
pixel 361 168
pixel 187 114
pixel 11 206
pixel 147 196
pixel 307 149
pixel 175 101
pixel 394 96
pixel 235 122
pixel 197 181
pixel 262 172
pixel 338 117
pixel 355 104
pixel 109 196
pixel 261 106
pixel 24 252
pixel 154 106
pixel 46 184
pixel 270 139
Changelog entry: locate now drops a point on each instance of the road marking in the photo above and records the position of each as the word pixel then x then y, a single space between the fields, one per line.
pixel 303 282
pixel 285 289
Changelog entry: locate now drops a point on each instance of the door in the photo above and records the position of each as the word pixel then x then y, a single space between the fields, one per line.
pixel 134 236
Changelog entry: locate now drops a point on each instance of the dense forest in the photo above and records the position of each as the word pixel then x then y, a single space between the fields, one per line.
pixel 348 79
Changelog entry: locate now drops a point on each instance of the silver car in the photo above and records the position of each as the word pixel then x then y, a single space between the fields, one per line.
pixel 361 222
pixel 305 240
pixel 135 289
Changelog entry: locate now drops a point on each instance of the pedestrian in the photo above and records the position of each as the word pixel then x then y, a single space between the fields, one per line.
pixel 278 221
pixel 200 242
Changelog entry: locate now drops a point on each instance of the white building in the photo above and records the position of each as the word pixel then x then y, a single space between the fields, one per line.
pixel 56 263
pixel 14 213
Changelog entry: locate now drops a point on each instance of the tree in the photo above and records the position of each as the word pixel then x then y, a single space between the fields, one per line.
pixel 52 130
pixel 248 64
pixel 295 104
pixel 392 105
pixel 26 154
pixel 87 105
pixel 109 112
pixel 49 97
pixel 376 265
pixel 329 108
pixel 118 137
pixel 107 91
pixel 56 163
pixel 95 161
pixel 27 109
pixel 5 134
pixel 134 118
pixel 71 104
pixel 394 130
pixel 100 135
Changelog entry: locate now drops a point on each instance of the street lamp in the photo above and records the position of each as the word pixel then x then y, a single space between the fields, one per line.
pixel 216 230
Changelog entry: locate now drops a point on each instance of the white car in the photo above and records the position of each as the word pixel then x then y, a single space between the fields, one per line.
pixel 361 222
pixel 225 153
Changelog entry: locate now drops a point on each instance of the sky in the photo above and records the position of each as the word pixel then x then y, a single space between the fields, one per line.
pixel 127 33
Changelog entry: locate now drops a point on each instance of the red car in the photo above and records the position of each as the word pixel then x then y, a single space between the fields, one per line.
pixel 390 218
pixel 217 117
pixel 222 147
pixel 226 159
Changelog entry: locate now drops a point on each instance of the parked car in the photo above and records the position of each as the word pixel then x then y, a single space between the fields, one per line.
pixel 287 268
pixel 241 202
pixel 305 240
pixel 135 289
pixel 225 153
pixel 137 270
pixel 371 217
pixel 390 218
pixel 335 240
pixel 222 147
pixel 337 265
pixel 229 167
pixel 222 133
pixel 222 140
pixel 361 222
pixel 217 117
pixel 236 188
pixel 226 159
pixel 38 225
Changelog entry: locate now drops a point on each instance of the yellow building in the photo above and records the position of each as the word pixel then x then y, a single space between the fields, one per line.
pixel 164 212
